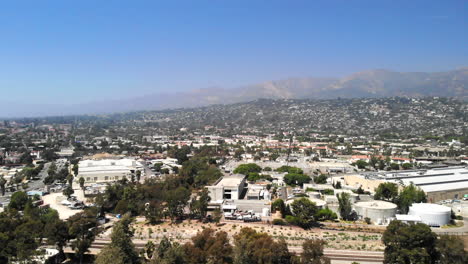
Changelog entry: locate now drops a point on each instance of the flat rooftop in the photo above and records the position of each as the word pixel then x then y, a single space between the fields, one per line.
pixel 231 180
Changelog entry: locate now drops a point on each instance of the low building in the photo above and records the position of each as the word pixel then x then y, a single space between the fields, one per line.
pixel 108 170
pixel 229 187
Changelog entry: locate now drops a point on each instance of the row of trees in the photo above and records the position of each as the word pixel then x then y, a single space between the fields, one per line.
pixel 209 246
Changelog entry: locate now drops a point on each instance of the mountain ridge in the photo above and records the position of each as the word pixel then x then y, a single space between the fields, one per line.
pixel 365 84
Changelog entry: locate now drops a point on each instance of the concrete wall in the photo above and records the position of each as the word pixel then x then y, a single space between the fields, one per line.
pixel 356 181
pixel 434 197
pixel 216 192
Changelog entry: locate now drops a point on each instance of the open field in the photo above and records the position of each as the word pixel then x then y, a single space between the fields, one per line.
pixel 294 236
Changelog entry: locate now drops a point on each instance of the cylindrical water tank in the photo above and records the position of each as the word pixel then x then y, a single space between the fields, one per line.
pixel 431 214
pixel 377 211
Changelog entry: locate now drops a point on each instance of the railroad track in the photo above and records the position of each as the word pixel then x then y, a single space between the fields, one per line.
pixel 332 254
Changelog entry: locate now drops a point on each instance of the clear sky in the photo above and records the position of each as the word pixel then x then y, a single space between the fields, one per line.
pixel 79 51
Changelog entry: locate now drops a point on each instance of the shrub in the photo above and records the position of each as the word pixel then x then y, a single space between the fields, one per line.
pixel 280 222
pixel 325 214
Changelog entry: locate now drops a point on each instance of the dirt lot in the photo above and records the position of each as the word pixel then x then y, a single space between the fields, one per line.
pixel 294 236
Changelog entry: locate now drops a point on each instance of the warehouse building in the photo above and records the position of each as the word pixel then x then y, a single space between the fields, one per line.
pixel 108 170
pixel 438 183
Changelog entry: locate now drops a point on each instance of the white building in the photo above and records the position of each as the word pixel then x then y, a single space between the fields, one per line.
pixel 229 187
pixel 109 170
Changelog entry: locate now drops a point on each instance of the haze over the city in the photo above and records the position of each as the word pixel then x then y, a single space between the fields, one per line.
pixel 58 55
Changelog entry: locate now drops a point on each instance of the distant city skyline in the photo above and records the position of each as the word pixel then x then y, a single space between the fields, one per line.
pixel 57 52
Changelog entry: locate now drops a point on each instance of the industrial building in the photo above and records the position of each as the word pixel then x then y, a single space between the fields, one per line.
pixel 108 170
pixel 438 183
pixel 229 187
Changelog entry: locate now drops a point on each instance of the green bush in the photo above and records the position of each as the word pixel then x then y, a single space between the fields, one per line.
pixel 280 222
pixel 291 220
pixel 290 169
pixel 248 168
pixel 296 179
pixel 325 214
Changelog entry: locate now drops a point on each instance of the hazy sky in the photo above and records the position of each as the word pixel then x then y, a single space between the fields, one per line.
pixel 78 51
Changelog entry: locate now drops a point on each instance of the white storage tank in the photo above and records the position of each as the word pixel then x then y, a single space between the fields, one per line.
pixel 431 214
pixel 377 211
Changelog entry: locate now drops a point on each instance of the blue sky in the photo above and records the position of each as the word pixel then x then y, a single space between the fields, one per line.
pixel 80 51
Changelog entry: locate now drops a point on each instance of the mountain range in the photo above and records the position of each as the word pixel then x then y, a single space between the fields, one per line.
pixel 372 83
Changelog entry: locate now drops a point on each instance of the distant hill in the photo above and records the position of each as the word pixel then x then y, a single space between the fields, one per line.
pixel 367 84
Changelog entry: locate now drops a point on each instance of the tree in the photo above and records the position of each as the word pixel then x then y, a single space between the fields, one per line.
pixel 361 164
pixel 82 182
pixel 68 191
pixel 325 214
pixel 110 255
pixel 176 201
pixel 321 179
pixel 409 243
pixel 157 167
pixel 407 166
pixel 149 249
pixel 168 253
pixel 409 195
pixel 290 169
pixel 2 185
pixel 387 191
pixel 338 185
pixel 121 240
pixel 345 207
pixel 394 166
pixel 451 250
pixel 26 158
pixel 200 206
pixel 18 201
pixel 70 179
pixel 304 211
pixel 56 232
pixel 279 205
pixel 312 252
pixel 217 215
pixel 248 168
pixel 296 179
pixel 251 247
pixel 138 175
pixel 209 246
pixel 82 228
pixel 75 169
pixel 153 212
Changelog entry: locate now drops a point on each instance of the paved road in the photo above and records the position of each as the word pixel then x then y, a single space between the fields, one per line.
pixel 454 230
pixel 32 185
pixel 148 173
